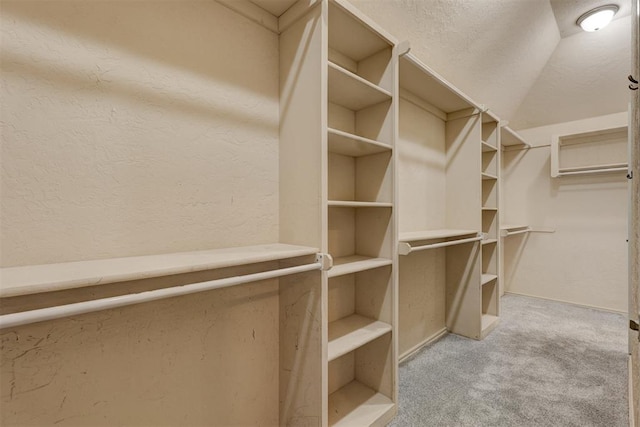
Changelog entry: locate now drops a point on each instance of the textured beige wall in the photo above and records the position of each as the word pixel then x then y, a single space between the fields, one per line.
pixel 132 128
pixel 203 359
pixel 585 260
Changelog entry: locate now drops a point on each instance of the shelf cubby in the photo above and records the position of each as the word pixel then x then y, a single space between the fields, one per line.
pixel 490 162
pixel 360 389
pixel 364 232
pixel 353 92
pixel 489 193
pixel 489 260
pixel 359 48
pixel 360 179
pixel 490 129
pixel 352 145
pixel 359 309
pixel 490 223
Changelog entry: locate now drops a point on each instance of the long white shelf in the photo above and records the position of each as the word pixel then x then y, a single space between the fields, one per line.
pixel 352 91
pixel 355 263
pixel 32 279
pixel 487 176
pixel 486 147
pixel 352 332
pixel 509 138
pixel 512 227
pixel 417 78
pixel 358 405
pixel 348 144
pixel 486 278
pixel 412 236
pixel 354 204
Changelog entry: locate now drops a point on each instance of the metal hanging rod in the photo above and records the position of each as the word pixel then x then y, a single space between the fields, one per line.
pixel 506 233
pixel 405 248
pixel 323 262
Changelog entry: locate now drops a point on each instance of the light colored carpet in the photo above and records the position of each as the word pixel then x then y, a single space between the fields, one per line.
pixel 546 364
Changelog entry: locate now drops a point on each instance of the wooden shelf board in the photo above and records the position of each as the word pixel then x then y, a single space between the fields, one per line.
pixel 353 204
pixel 412 236
pixel 34 279
pixel 355 263
pixel 353 145
pixel 486 278
pixel 509 138
pixel 357 405
pixel 486 147
pixel 512 227
pixel 420 80
pixel 487 176
pixel 489 241
pixel 352 332
pixel 352 91
pixel 489 209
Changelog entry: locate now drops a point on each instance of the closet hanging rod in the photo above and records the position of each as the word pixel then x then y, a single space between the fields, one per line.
pixel 323 262
pixel 506 233
pixel 405 248
pixel 615 167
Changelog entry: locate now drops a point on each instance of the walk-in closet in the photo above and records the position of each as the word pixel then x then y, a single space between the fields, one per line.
pixel 319 213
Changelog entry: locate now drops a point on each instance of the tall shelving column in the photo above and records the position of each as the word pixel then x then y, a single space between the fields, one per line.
pixel 361 77
pixel 302 207
pixel 490 222
pixel 439 200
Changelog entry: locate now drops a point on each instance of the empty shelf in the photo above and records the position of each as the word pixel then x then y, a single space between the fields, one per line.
pixel 488 147
pixel 511 227
pixel 353 145
pixel 352 91
pixel 486 278
pixel 508 138
pixel 420 80
pixel 358 405
pixel 54 277
pixel 489 209
pixel 352 332
pixel 489 241
pixel 486 176
pixel 355 263
pixel 354 204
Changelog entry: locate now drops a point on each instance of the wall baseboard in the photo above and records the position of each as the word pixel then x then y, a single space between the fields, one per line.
pixel 594 307
pixel 430 340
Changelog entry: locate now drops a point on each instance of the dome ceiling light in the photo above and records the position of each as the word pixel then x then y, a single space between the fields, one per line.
pixel 597 18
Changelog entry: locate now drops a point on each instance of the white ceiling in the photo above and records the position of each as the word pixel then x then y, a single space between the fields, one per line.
pixel 525 59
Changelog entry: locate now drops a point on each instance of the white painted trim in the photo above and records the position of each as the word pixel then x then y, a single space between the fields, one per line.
pixel 595 307
pixel 430 340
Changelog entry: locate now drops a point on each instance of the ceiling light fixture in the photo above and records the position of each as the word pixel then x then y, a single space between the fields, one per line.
pixel 597 18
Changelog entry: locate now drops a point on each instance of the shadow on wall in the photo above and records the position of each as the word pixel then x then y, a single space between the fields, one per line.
pixel 192 38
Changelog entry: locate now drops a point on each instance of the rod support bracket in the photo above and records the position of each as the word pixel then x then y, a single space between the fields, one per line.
pixel 325 260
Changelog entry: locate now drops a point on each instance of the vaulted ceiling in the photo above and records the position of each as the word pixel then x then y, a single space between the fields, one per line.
pixel 525 59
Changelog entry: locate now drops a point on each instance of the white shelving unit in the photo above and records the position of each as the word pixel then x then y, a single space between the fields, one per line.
pixel 587 153
pixel 491 133
pixel 338 131
pixel 440 285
